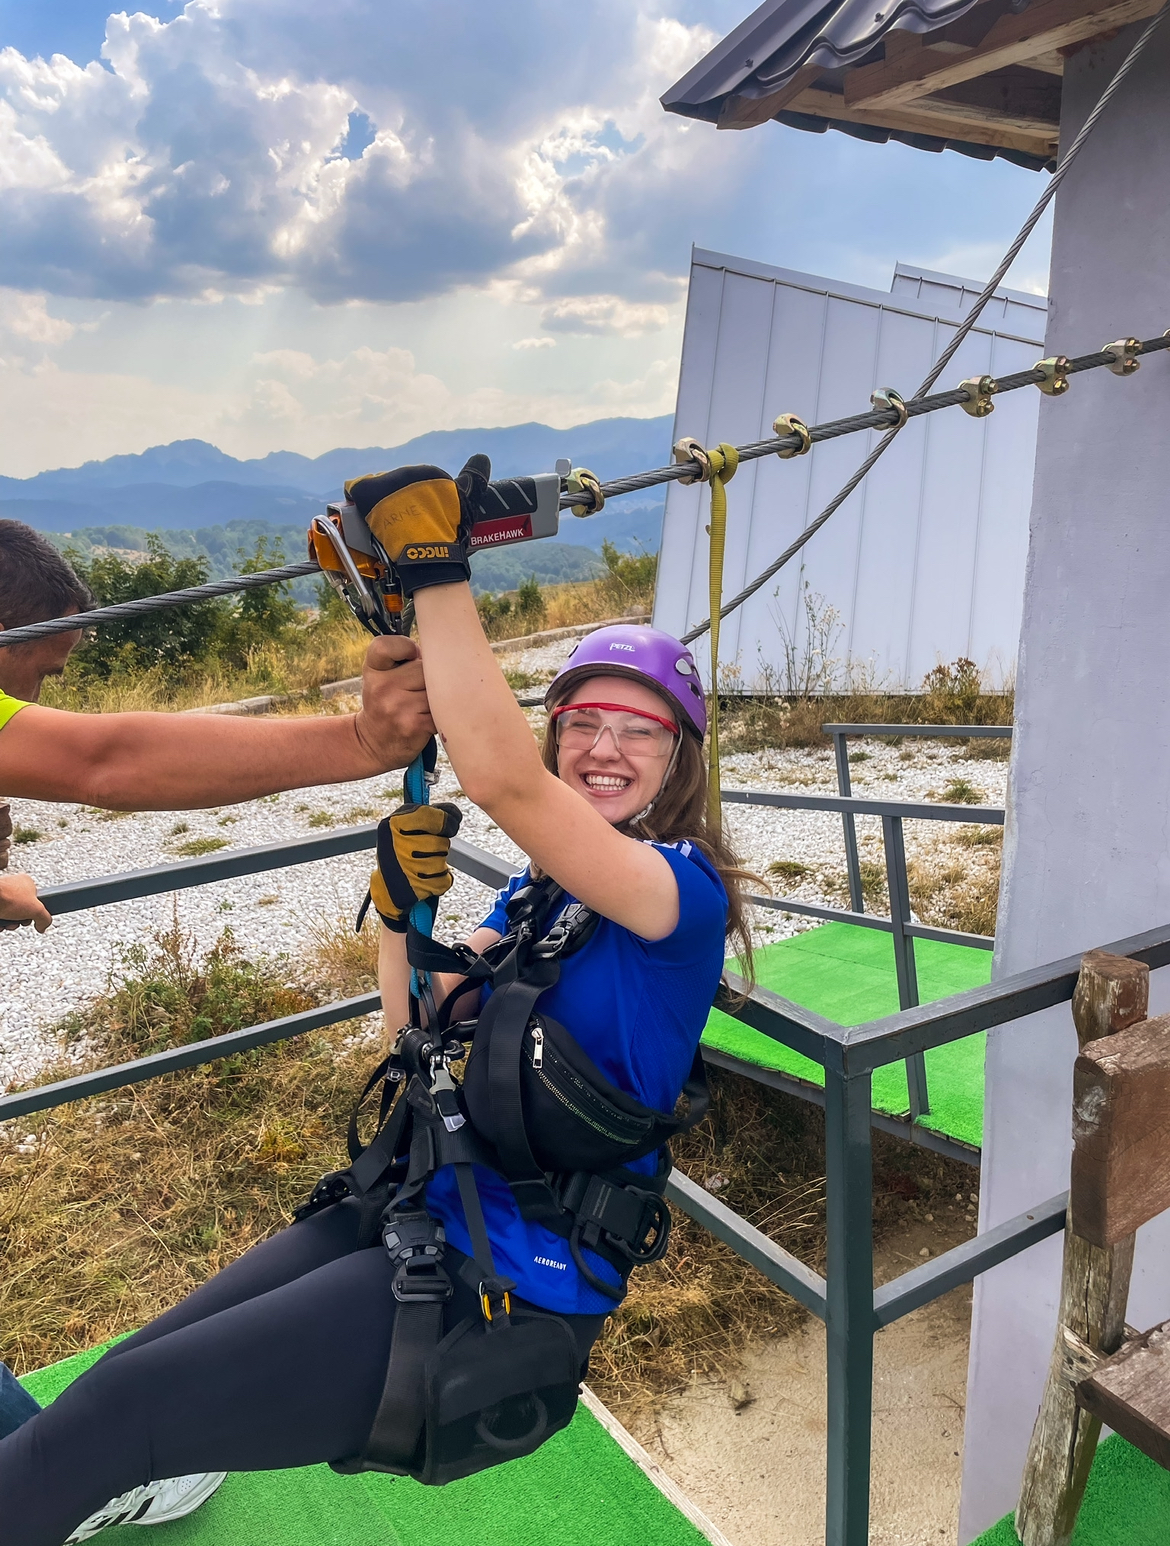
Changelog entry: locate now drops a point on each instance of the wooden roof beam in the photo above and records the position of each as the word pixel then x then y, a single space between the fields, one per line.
pixel 1013 39
pixel 917 118
pixel 746 112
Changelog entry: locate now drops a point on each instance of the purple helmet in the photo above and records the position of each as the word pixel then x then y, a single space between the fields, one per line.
pixel 645 655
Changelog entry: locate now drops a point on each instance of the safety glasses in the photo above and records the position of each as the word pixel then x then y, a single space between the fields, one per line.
pixel 579 726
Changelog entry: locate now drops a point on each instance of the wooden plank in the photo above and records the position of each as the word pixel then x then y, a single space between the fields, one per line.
pixel 946 114
pixel 1013 39
pixel 1121 1132
pixel 1112 992
pixel 747 112
pixel 1093 1293
pixel 1015 94
pixel 1131 1393
pixel 917 119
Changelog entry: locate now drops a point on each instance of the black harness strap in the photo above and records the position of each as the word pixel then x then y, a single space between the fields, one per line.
pixel 504 1020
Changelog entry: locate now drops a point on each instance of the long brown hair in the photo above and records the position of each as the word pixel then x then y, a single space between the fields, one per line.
pixel 680 814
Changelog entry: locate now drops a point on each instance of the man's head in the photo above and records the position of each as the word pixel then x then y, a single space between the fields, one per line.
pixel 35 583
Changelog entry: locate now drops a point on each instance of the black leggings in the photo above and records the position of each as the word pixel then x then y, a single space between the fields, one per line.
pixel 278 1361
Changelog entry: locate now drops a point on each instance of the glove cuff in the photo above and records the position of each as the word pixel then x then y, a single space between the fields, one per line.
pixel 431 563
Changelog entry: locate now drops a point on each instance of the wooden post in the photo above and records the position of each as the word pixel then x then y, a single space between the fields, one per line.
pixel 5 833
pixel 1112 993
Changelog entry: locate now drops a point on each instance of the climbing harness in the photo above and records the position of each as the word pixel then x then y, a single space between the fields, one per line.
pixel 533 1108
pixel 716 467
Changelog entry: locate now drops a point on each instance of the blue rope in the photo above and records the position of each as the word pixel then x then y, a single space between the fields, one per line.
pixel 416 791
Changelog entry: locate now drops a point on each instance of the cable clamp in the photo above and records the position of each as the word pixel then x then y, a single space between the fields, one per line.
pixel 688 449
pixel 790 424
pixel 581 481
pixel 1055 378
pixel 1125 353
pixel 886 399
pixel 979 390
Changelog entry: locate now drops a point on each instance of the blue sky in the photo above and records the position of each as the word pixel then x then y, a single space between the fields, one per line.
pixel 277 224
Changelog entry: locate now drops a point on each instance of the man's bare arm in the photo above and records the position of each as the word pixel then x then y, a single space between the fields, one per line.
pixel 184 761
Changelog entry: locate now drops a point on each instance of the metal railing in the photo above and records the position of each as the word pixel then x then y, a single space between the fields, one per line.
pixel 841 735
pixel 845 1297
pixel 900 925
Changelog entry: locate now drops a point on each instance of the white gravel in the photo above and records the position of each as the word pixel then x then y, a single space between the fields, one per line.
pixel 273 914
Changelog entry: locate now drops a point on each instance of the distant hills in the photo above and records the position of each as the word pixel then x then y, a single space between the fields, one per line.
pixel 200 500
pixel 190 484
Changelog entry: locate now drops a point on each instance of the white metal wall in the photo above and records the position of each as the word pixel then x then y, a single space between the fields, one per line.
pixel 925 561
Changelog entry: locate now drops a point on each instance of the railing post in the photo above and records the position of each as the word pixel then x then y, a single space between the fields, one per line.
pixel 899 888
pixel 849 1319
pixel 845 787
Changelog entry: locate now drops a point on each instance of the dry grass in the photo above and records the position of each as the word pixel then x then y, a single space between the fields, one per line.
pixel 120 1205
pixel 327 651
pixel 627 588
pixel 954 883
pixel 754 724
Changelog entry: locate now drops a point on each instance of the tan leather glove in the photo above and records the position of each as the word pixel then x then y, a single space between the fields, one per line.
pixel 413 845
pixel 418 516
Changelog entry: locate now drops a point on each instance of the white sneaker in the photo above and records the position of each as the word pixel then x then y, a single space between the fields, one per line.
pixel 155 1504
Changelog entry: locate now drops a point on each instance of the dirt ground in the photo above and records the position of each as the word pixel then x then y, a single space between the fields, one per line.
pixel 758 1470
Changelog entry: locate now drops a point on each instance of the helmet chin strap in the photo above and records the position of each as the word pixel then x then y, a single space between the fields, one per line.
pixel 645 811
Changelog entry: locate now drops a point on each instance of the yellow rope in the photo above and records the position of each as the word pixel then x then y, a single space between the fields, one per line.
pixel 716 467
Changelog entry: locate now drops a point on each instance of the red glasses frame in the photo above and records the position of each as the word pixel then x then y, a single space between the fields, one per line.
pixel 617 708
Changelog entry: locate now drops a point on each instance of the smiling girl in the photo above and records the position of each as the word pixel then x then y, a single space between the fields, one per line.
pixel 282 1359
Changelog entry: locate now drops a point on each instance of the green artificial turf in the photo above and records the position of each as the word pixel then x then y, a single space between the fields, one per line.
pixel 580 1489
pixel 846 973
pixel 1127 1503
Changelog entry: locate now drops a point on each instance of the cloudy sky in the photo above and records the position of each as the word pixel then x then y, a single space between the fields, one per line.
pixel 277 224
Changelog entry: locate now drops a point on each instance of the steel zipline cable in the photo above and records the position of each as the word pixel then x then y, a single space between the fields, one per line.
pixel 889 419
pixel 878 419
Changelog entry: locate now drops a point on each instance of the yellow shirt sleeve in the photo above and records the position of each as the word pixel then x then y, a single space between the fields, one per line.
pixel 9 707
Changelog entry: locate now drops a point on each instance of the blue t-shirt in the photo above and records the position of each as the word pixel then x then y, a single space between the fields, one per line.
pixel 637 1008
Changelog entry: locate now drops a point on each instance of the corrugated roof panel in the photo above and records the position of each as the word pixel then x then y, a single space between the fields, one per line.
pixel 783 37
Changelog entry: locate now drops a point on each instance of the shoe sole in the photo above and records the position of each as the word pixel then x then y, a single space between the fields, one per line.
pixel 211 1483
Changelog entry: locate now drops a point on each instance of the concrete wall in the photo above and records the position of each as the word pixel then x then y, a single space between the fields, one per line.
pixel 1087 849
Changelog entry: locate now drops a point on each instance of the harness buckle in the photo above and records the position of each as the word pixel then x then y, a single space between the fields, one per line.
pixel 634 1221
pixel 415 1243
pixel 421 1280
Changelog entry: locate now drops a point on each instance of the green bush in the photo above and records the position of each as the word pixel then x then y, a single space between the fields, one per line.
pixel 218 632
pixel 530 602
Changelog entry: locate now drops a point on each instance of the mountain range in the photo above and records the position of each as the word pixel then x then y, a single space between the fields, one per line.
pixel 190 484
pixel 201 500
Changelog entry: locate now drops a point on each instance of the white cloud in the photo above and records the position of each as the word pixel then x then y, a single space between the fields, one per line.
pixel 604 314
pixel 206 157
pixel 381 397
pixel 535 343
pixel 287 399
